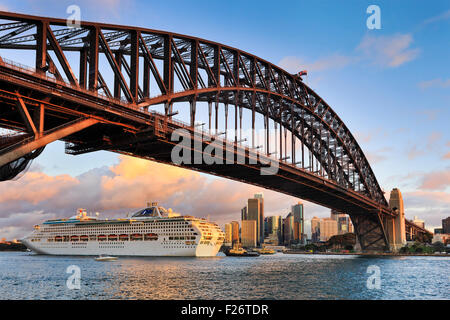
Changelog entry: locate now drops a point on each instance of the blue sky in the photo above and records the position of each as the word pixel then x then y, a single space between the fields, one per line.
pixel 390 86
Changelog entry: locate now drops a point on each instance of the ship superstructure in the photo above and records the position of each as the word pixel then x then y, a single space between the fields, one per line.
pixel 152 231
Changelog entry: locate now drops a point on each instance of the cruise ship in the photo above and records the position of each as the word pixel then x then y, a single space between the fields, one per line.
pixel 152 231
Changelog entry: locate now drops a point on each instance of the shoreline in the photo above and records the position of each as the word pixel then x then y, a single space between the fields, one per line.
pixel 370 254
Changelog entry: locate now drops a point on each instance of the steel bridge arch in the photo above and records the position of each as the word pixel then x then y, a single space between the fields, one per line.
pixel 206 71
pixel 320 112
pixel 249 78
pixel 242 72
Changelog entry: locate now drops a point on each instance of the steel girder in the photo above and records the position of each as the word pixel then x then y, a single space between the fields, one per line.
pixel 203 71
pixel 206 71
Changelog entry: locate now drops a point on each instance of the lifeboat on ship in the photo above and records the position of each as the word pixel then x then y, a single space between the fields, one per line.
pixel 84 238
pixel 136 237
pixel 101 237
pixel 74 238
pixel 150 236
pixel 123 237
pixel 112 237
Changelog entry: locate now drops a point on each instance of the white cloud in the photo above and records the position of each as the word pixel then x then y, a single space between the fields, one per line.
pixel 388 51
pixel 441 17
pixel 295 64
pixel 434 83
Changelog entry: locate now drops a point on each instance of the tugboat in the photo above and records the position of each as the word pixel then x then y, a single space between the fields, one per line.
pixel 238 251
pixel 264 250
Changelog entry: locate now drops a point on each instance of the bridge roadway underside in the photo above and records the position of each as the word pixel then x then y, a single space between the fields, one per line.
pixel 366 217
pixel 134 134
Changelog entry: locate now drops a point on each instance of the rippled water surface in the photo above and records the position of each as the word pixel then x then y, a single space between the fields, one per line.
pixel 282 276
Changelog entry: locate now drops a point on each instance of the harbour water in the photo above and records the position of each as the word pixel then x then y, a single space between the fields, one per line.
pixel 24 275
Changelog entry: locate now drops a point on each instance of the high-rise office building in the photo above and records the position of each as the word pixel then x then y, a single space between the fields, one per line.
pixel 234 232
pixel 299 226
pixel 260 196
pixel 244 213
pixel 344 223
pixel 288 229
pixel 255 211
pixel 336 214
pixel 267 226
pixel 446 225
pixel 272 226
pixel 315 229
pixel 328 228
pixel 419 222
pixel 228 234
pixel 323 229
pixel 249 233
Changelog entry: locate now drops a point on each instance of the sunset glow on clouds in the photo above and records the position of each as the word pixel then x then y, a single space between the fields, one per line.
pixel 132 183
pixel 122 189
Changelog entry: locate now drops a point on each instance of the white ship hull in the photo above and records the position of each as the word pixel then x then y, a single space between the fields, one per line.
pixel 122 248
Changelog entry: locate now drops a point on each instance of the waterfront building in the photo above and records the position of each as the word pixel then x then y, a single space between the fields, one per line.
pixel 328 228
pixel 299 225
pixel 277 228
pixel 335 215
pixel 441 237
pixel 244 213
pixel 272 225
pixel 228 235
pixel 267 226
pixel 323 229
pixel 344 223
pixel 255 211
pixel 249 233
pixel 446 225
pixel 272 239
pixel 419 222
pixel 288 229
pixel 260 196
pixel 234 231
pixel 315 229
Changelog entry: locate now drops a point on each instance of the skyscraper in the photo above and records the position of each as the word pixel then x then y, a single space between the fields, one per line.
pixel 260 196
pixel 267 226
pixel 228 234
pixel 244 213
pixel 344 223
pixel 255 209
pixel 249 233
pixel 299 227
pixel 274 227
pixel 288 229
pixel 234 232
pixel 315 229
pixel 446 225
pixel 323 229
pixel 328 228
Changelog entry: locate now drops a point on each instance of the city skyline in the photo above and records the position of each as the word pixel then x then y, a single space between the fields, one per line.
pixel 399 137
pixel 340 218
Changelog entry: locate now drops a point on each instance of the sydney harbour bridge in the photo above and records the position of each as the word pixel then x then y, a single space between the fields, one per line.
pixel 97 87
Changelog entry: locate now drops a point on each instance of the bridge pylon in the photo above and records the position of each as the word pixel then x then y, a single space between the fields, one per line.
pixel 395 228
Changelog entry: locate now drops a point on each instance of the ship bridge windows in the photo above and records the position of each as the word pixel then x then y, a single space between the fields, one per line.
pixel 149 212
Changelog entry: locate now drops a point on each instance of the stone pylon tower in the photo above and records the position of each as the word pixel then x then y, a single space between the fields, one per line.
pixel 395 228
